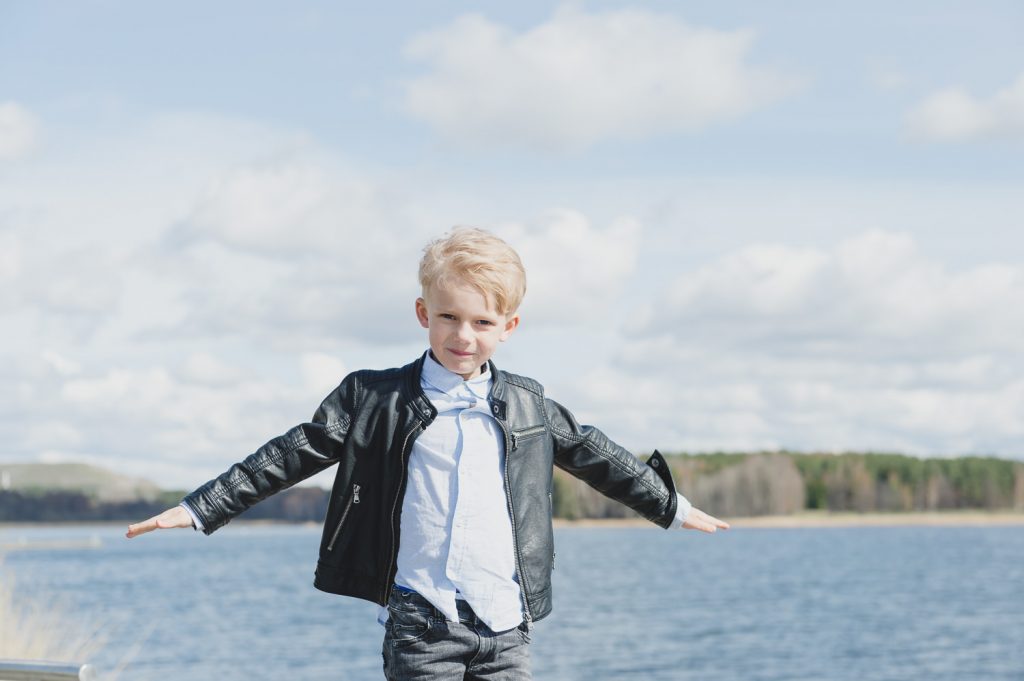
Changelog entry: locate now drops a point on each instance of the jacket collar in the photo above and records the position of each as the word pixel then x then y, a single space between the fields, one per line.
pixel 426 412
pixel 497 396
pixel 438 377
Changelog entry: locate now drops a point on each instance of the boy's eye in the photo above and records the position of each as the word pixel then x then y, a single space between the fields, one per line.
pixel 484 322
pixel 447 316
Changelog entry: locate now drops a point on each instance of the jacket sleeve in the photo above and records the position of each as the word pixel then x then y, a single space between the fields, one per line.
pixel 285 460
pixel 588 454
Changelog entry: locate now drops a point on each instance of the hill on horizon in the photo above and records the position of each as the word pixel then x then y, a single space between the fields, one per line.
pixel 97 483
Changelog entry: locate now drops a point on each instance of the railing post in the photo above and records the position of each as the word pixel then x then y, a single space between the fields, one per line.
pixel 34 670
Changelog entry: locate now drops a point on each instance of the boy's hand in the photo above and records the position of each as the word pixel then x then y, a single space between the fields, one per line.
pixel 172 517
pixel 697 519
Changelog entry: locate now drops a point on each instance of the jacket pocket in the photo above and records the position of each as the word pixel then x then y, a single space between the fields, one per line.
pixel 353 498
pixel 526 433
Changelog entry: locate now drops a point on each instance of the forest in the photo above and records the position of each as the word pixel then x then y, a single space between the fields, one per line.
pixel 729 485
pixel 737 485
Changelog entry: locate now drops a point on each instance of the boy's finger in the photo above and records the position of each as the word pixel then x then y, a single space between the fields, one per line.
pixel 710 519
pixel 699 520
pixel 141 528
pixel 698 524
pixel 715 521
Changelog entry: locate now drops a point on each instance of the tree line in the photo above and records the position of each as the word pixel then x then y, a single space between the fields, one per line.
pixel 298 504
pixel 781 483
pixel 726 484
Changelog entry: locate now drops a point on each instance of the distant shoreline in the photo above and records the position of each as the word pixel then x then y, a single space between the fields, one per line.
pixel 970 518
pixel 825 519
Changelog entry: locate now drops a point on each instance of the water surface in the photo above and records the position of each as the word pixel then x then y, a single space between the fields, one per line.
pixel 843 604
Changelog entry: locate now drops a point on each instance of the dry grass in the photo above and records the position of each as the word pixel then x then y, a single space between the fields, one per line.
pixel 38 628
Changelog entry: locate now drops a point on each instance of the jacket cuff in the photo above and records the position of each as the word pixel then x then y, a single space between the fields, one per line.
pixel 683 507
pixel 671 514
pixel 197 523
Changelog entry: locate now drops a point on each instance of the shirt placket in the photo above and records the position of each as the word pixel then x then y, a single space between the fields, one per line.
pixel 464 501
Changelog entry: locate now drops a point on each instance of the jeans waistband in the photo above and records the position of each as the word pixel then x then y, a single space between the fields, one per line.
pixel 406 595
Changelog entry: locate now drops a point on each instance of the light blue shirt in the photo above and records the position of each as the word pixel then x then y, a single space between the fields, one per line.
pixel 455 526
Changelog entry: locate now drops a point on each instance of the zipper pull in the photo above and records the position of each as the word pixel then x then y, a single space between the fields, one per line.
pixel 355 494
pixel 515 440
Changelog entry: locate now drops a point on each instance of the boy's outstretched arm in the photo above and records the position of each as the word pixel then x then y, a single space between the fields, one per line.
pixel 588 454
pixel 172 517
pixel 301 452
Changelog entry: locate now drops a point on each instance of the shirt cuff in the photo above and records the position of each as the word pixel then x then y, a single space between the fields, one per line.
pixel 682 510
pixel 198 524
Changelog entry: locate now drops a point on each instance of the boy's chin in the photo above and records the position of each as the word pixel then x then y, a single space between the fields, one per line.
pixel 467 368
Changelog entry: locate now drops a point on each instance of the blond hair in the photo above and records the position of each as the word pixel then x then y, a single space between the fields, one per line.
pixel 479 258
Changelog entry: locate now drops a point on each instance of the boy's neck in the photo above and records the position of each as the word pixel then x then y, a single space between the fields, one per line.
pixel 483 367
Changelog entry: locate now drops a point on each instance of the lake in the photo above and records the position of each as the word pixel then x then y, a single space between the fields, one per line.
pixel 843 604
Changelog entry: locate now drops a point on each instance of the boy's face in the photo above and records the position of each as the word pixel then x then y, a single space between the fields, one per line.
pixel 463 327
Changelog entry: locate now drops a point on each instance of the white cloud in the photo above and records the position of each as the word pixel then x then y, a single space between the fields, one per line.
pixel 298 249
pixel 115 300
pixel 12 258
pixel 293 207
pixel 321 372
pixel 206 368
pixel 584 77
pixel 62 290
pixel 711 398
pixel 306 253
pixel 19 129
pixel 61 364
pixel 47 434
pixel 869 344
pixel 573 268
pixel 873 295
pixel 953 115
pixel 191 425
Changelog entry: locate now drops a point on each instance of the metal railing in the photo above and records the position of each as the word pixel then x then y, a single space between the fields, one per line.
pixel 33 670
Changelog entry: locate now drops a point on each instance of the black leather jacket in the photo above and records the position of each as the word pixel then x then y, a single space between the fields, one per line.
pixel 367 426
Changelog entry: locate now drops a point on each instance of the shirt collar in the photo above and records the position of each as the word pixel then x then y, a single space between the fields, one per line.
pixel 438 377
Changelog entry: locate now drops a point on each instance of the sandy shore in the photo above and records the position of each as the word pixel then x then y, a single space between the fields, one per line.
pixel 808 519
pixel 943 519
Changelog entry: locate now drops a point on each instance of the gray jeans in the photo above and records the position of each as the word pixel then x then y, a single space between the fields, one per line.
pixel 419 643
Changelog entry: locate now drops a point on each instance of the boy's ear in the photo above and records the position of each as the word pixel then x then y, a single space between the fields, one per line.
pixel 421 313
pixel 510 325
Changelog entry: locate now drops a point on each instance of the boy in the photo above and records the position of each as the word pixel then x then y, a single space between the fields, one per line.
pixel 455 458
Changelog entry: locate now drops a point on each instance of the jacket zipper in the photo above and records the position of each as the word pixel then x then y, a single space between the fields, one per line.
pixel 523 434
pixel 509 446
pixel 394 507
pixel 551 511
pixel 352 499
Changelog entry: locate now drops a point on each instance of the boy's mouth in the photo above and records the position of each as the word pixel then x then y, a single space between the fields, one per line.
pixel 459 353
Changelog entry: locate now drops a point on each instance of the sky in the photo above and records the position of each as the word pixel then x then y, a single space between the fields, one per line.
pixel 745 227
